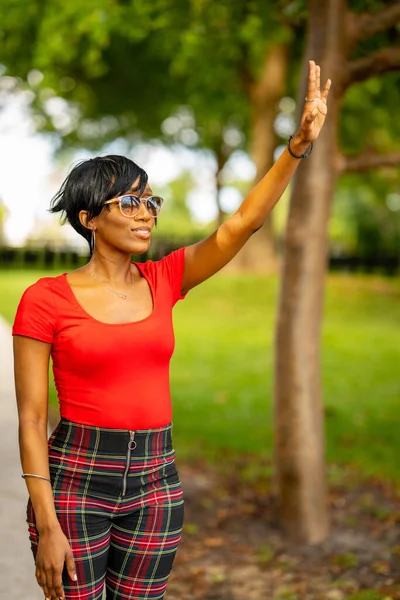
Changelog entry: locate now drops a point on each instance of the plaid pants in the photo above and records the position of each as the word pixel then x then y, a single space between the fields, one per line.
pixel 119 501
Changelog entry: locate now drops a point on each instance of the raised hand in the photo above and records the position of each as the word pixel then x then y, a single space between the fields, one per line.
pixel 315 108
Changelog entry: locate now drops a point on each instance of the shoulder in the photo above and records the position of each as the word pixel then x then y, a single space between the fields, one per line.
pixel 171 260
pixel 36 314
pixel 168 271
pixel 41 293
pixel 169 267
pixel 42 288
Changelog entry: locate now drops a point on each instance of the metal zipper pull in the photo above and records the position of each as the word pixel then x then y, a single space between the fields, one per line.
pixel 131 446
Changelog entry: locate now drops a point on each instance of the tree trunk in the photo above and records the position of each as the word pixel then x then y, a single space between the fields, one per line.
pixel 221 162
pixel 259 253
pixel 299 443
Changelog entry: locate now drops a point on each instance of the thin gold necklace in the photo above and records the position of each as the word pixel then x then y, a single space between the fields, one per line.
pixel 122 295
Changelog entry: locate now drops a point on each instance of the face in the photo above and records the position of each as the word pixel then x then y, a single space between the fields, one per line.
pixel 130 235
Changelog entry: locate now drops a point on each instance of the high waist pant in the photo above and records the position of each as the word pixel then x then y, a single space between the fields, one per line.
pixel 119 501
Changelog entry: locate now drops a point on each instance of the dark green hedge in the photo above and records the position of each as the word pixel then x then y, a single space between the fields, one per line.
pixel 67 259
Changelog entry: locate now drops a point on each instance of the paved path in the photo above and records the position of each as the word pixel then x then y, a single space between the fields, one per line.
pixel 17 579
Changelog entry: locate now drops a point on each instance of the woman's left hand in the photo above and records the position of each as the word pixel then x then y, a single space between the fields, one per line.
pixel 315 108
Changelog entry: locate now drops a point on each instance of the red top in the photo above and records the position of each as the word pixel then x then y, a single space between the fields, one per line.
pixel 108 375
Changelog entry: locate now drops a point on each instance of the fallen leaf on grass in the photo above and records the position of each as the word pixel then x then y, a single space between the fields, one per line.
pixel 190 528
pixel 381 567
pixel 213 542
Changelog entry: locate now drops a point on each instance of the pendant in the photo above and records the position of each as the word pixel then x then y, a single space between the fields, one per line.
pixel 124 296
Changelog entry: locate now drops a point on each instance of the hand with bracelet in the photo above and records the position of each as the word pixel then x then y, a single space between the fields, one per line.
pixel 313 117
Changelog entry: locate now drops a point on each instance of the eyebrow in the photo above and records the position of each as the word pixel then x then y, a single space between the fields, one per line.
pixel 146 189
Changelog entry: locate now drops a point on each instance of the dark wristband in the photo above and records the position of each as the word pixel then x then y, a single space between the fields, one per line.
pixel 302 155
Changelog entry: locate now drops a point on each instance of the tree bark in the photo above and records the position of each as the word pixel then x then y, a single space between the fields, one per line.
pixel 259 253
pixel 365 25
pixel 368 161
pixel 382 61
pixel 299 443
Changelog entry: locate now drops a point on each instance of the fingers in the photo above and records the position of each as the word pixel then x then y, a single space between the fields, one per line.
pixel 314 83
pixel 51 583
pixel 70 564
pixel 42 581
pixel 326 89
pixel 311 79
pixel 312 115
pixel 57 587
pixel 46 591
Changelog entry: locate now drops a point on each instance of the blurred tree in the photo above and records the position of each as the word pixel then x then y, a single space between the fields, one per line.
pixel 352 41
pixel 233 57
pixel 110 68
pixel 366 215
pixel 48 234
pixel 177 222
pixel 3 217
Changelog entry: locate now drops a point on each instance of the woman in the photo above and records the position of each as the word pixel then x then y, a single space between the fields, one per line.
pixel 106 505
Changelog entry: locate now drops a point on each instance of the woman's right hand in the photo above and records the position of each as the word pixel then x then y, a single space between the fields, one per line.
pixel 53 551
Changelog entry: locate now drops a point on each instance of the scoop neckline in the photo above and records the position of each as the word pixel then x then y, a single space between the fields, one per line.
pixel 89 316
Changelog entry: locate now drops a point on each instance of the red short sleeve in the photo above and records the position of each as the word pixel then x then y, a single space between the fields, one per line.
pixel 35 315
pixel 173 267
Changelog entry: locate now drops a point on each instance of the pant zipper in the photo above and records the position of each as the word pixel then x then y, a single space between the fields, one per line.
pixel 131 446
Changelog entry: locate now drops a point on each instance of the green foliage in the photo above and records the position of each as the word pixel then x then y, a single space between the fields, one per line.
pixel 368 115
pixel 362 223
pixel 140 61
pixel 177 221
pixel 109 68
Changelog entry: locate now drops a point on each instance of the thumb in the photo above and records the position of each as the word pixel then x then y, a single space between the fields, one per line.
pixel 70 564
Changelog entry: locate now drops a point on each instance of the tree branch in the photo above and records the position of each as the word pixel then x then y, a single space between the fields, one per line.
pixel 367 161
pixel 365 25
pixel 387 59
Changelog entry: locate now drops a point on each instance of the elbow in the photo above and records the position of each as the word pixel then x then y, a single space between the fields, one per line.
pixel 257 229
pixel 250 223
pixel 31 436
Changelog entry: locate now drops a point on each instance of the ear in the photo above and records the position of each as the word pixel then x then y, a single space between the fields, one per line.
pixel 83 218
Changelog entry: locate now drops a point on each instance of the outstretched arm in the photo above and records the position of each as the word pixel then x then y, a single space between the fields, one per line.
pixel 209 256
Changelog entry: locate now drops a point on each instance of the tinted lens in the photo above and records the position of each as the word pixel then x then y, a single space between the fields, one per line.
pixel 154 204
pixel 130 205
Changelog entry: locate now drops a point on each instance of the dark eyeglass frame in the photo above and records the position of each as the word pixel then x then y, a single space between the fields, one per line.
pixel 145 201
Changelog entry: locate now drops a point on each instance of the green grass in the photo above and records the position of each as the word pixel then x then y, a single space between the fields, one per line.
pixel 221 373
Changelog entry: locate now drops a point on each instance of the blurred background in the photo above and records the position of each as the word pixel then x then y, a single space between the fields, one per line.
pixel 286 376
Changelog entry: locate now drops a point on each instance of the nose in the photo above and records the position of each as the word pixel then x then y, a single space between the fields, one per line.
pixel 143 213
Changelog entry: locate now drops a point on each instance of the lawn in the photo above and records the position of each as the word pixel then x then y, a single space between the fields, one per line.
pixel 221 373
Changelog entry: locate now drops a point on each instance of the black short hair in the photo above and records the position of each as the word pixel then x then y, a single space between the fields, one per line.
pixel 90 183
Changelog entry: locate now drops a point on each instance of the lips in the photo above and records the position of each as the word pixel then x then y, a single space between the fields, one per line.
pixel 142 232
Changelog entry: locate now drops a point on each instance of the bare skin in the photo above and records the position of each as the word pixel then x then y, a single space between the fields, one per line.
pixel 111 263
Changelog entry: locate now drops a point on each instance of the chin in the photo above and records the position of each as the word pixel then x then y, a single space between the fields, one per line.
pixel 139 247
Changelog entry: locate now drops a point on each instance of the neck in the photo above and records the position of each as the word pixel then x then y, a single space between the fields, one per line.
pixel 115 270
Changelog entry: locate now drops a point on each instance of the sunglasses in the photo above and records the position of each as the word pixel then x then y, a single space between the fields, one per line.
pixel 129 205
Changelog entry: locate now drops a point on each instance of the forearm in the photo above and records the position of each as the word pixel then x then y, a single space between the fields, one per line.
pixel 34 459
pixel 259 202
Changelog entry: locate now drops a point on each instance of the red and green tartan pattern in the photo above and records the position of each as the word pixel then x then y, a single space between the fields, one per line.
pixel 126 541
